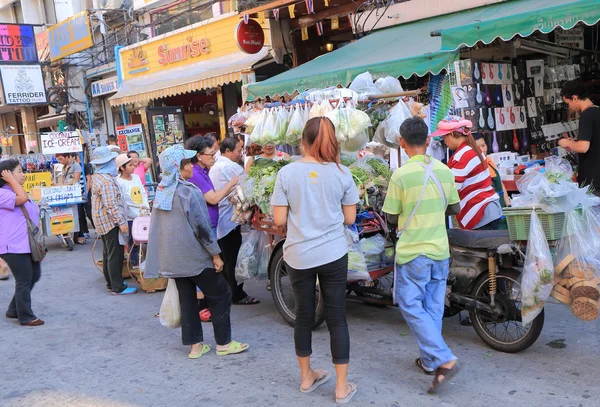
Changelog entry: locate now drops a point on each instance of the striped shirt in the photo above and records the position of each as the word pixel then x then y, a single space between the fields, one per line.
pixel 426 233
pixel 107 204
pixel 474 186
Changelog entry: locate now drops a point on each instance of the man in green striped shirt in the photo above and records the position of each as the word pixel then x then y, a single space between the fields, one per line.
pixel 420 195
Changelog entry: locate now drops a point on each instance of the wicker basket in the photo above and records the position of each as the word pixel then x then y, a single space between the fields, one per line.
pixel 126 274
pixel 518 220
pixel 149 285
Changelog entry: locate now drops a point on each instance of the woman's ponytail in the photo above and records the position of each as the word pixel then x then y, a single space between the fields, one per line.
pixel 319 137
pixel 473 144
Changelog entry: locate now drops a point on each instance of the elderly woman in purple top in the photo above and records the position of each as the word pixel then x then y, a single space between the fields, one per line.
pixel 14 240
pixel 206 147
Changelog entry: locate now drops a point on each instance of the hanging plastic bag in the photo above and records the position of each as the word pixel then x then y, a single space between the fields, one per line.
pixel 538 276
pixel 257 134
pixel 388 85
pixel 247 261
pixel 293 135
pixel 339 118
pixel 252 120
pixel 170 309
pixel 357 143
pixel 358 122
pixel 263 252
pixel 372 245
pixel 391 125
pixel 283 120
pixel 364 86
pixel 357 264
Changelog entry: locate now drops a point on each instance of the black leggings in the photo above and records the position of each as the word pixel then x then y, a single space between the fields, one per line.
pixel 26 273
pixel 332 283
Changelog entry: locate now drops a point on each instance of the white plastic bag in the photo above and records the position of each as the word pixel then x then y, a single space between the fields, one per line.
pixel 294 131
pixel 263 252
pixel 256 136
pixel 538 272
pixel 364 86
pixel 388 85
pixel 247 261
pixel 356 143
pixel 372 245
pixel 170 309
pixel 357 264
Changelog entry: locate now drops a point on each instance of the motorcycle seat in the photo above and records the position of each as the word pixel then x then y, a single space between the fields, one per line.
pixel 478 239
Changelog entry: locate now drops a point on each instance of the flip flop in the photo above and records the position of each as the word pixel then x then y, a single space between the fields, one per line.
pixel 205 349
pixel 247 301
pixel 419 364
pixel 448 375
pixel 234 348
pixel 322 379
pixel 205 315
pixel 347 399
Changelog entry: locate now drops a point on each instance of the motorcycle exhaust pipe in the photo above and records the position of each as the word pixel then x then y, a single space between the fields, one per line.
pixel 471 305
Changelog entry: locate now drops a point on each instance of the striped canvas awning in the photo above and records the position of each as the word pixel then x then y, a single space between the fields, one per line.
pixel 200 75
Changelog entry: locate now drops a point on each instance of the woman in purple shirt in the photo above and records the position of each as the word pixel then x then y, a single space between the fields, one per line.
pixel 14 241
pixel 206 148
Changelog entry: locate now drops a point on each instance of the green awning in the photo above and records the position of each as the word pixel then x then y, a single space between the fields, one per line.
pixel 402 50
pixel 522 17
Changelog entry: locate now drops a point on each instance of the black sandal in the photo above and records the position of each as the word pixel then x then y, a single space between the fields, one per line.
pixel 248 301
pixel 419 364
pixel 448 374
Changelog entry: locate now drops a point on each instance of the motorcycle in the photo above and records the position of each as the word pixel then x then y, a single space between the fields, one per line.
pixel 484 280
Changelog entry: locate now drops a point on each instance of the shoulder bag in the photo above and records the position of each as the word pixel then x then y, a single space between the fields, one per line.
pixel 37 242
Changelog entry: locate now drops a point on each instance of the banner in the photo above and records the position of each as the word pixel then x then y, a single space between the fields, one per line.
pixel 61 142
pixel 17 43
pixel 62 195
pixel 23 84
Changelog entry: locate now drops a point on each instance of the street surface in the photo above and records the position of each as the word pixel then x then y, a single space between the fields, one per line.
pixel 106 351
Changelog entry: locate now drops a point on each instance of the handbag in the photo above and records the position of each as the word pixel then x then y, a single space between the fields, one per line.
pixel 37 241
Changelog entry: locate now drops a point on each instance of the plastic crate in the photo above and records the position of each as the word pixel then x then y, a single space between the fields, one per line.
pixel 518 221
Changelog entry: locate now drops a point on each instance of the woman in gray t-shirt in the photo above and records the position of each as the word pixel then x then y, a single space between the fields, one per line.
pixel 315 197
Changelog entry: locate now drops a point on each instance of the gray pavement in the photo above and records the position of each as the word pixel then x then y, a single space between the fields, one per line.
pixel 100 350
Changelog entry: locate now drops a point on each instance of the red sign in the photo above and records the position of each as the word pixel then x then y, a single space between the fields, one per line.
pixel 250 36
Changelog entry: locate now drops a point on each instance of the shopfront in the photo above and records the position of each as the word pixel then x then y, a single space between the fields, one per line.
pixel 187 82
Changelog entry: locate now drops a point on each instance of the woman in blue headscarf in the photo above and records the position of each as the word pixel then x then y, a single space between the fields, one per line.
pixel 181 246
pixel 109 215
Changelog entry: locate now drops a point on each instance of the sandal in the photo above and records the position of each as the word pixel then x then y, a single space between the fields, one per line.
pixel 347 399
pixel 205 315
pixel 322 379
pixel 81 241
pixel 234 348
pixel 419 364
pixel 248 301
pixel 205 349
pixel 447 375
pixel 268 285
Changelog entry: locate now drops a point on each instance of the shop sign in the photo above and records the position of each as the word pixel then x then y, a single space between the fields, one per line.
pixel 570 38
pixel 131 138
pixel 202 41
pixel 250 37
pixel 17 43
pixel 62 194
pixel 23 84
pixel 104 86
pixel 41 43
pixel 70 36
pixel 61 142
pixel 191 49
pixel 37 179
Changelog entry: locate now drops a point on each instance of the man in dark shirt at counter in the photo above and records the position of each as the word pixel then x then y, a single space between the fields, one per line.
pixel 587 146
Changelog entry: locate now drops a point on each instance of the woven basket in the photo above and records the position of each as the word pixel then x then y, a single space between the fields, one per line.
pixel 149 285
pixel 100 263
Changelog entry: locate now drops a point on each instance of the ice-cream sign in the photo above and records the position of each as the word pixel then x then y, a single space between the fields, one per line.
pixel 23 84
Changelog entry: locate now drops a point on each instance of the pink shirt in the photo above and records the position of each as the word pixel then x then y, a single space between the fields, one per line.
pixel 140 171
pixel 13 232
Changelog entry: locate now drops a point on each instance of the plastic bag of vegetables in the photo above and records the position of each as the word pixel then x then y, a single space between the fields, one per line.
pixel 358 122
pixel 356 143
pixel 247 261
pixel 252 120
pixel 294 131
pixel 357 265
pixel 283 119
pixel 339 118
pixel 388 131
pixel 256 136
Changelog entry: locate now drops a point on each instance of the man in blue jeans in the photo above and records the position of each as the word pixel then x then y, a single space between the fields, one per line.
pixel 420 195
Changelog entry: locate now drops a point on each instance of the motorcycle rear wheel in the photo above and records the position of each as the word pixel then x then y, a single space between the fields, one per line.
pixel 497 334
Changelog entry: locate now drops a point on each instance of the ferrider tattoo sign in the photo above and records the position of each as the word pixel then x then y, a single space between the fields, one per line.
pixel 23 84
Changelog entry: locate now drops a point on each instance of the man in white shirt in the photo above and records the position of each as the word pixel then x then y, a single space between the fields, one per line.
pixel 229 233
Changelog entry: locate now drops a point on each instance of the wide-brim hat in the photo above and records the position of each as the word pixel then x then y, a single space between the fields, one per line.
pixel 102 155
pixel 170 159
pixel 450 124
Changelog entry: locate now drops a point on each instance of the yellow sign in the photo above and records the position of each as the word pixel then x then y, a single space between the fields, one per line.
pixel 203 41
pixel 61 224
pixel 37 179
pixel 70 36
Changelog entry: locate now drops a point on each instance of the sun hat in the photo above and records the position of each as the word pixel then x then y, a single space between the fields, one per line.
pixel 122 159
pixel 450 124
pixel 170 163
pixel 102 155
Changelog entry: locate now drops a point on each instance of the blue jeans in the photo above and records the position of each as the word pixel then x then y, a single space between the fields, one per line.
pixel 420 290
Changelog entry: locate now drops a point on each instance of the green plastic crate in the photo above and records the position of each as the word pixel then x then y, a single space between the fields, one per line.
pixel 518 220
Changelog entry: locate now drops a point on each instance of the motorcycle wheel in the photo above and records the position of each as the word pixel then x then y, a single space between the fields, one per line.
pixel 508 336
pixel 281 290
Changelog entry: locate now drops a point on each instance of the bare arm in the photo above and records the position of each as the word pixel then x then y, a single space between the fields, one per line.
pixel 76 178
pixel 580 146
pixel 349 214
pixel 280 215
pixel 9 178
pixel 213 197
pixel 453 209
pixel 147 163
pixel 249 164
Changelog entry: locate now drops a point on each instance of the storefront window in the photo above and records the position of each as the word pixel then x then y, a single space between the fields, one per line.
pixel 180 14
